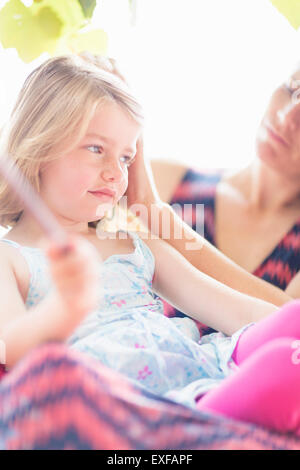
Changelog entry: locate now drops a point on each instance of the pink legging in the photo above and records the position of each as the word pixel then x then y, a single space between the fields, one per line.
pixel 265 390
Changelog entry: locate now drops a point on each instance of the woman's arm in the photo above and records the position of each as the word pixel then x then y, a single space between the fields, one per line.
pixel 206 258
pixel 293 289
pixel 200 296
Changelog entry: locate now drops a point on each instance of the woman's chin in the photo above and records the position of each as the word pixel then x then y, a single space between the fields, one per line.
pixel 279 163
pixel 267 153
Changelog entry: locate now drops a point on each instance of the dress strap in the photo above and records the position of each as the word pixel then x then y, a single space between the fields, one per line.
pixel 10 242
pixel 144 251
pixel 37 262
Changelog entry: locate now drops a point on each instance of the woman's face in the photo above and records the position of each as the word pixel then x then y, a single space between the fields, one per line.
pixel 71 184
pixel 278 137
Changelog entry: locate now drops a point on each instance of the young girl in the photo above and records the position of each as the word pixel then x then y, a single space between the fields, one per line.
pixel 74 133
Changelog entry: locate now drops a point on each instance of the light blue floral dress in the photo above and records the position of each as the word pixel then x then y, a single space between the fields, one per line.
pixel 129 333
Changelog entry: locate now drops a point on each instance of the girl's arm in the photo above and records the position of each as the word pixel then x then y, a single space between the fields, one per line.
pixel 201 297
pixel 76 280
pixel 29 329
pixel 206 258
pixel 21 329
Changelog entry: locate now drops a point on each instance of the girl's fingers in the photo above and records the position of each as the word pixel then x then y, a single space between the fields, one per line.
pixel 79 249
pixel 56 252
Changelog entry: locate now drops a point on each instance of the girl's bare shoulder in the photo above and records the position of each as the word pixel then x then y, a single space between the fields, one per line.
pixel 13 259
pixel 156 244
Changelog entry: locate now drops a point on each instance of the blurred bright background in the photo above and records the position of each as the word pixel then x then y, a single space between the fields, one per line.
pixel 204 71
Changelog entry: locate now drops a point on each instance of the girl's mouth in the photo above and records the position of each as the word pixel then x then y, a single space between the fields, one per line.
pixel 103 196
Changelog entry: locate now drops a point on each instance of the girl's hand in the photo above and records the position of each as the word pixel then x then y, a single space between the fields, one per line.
pixel 76 274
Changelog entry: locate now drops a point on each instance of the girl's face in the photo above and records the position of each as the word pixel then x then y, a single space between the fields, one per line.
pixel 74 185
pixel 278 138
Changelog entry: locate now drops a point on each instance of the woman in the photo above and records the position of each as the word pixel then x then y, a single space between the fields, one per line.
pixel 252 215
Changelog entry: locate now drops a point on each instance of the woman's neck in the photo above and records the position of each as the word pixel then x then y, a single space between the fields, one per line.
pixel 268 190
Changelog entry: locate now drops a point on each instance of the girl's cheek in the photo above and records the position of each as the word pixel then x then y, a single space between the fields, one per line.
pixel 83 179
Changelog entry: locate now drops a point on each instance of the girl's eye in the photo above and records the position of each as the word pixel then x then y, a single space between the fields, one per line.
pixel 97 147
pixel 128 160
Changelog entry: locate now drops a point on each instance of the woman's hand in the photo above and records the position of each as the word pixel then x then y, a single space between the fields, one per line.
pixel 76 275
pixel 141 186
pixel 142 190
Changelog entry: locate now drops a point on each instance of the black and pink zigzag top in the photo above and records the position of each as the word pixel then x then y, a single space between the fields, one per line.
pixel 199 187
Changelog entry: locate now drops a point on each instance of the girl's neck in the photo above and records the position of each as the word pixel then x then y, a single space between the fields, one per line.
pixel 28 232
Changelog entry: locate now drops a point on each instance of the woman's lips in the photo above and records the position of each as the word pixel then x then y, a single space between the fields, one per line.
pixel 275 136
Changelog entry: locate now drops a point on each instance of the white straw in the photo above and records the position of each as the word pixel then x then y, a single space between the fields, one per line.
pixel 32 202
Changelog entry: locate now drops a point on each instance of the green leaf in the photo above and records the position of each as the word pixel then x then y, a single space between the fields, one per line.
pixel 290 9
pixel 30 34
pixel 88 7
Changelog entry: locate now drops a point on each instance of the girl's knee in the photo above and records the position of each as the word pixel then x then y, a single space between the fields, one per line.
pixel 291 309
pixel 280 354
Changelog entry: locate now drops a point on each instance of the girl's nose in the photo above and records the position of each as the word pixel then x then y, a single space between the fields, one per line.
pixel 112 173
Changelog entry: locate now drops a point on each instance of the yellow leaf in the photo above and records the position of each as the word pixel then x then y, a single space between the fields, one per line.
pixel 94 41
pixel 30 34
pixel 49 22
pixel 290 9
pixel 68 11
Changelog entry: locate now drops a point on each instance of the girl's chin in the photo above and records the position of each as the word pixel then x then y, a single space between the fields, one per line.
pixel 105 210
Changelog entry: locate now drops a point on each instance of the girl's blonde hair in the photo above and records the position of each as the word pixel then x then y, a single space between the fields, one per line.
pixel 51 116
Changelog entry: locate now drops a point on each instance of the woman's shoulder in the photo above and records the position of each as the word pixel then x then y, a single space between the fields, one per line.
pixel 170 177
pixel 167 176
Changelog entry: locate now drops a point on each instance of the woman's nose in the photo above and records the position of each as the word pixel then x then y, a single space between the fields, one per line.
pixel 290 114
